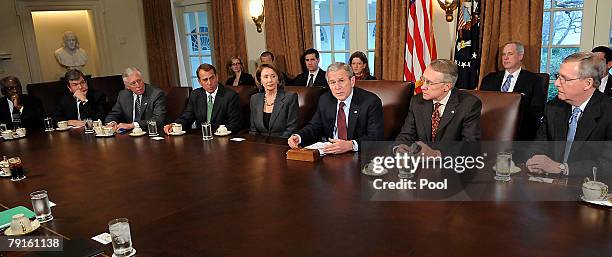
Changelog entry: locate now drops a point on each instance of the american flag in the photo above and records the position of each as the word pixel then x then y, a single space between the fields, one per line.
pixel 420 40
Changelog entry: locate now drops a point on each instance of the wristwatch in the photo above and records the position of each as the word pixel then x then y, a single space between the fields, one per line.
pixel 563 168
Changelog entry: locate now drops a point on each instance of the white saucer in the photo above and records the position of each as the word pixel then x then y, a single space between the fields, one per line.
pixel 372 173
pixel 138 134
pixel 178 134
pixel 4 175
pixel 111 135
pixel 605 202
pixel 513 170
pixel 224 134
pixel 35 225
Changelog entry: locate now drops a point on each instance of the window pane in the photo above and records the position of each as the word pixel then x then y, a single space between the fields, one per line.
pixel 569 3
pixel 321 11
pixel 341 37
pixel 194 83
pixel 547 4
pixel 611 30
pixel 371 9
pixel 326 60
pixel 322 38
pixel 194 62
pixel 567 28
pixel 207 59
pixel 543 59
pixel 546 28
pixel 205 44
pixel 190 23
pixel 557 55
pixel 371 62
pixel 203 19
pixel 340 11
pixel 371 35
pixel 341 57
pixel 192 44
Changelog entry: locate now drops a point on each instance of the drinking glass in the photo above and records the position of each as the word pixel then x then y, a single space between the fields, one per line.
pixel 48 124
pixel 2 127
pixel 41 206
pixel 206 131
pixel 16 168
pixel 88 126
pixel 122 239
pixel 503 165
pixel 152 128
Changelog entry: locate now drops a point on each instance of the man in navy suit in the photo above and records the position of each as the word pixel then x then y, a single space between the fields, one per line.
pixel 18 109
pixel 346 115
pixel 580 113
pixel 516 79
pixel 313 76
pixel 81 103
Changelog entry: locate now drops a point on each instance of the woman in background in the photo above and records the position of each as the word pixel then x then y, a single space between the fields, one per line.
pixel 238 77
pixel 359 64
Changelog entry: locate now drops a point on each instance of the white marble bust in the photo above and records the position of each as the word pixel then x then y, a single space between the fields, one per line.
pixel 70 55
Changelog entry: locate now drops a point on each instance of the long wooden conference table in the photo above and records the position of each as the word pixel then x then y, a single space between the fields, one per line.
pixel 188 197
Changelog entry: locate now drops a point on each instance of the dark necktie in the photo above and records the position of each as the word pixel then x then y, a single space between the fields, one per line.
pixel 573 124
pixel 341 123
pixel 435 121
pixel 506 86
pixel 138 109
pixel 16 115
pixel 310 81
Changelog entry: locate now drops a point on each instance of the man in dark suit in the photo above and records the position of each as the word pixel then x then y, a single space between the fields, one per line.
pixel 313 76
pixel 137 103
pixel 212 103
pixel 82 102
pixel 580 113
pixel 17 109
pixel 346 115
pixel 440 113
pixel 267 57
pixel 605 53
pixel 516 79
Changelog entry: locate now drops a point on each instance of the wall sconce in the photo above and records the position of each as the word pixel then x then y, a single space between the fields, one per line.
pixel 256 10
pixel 449 7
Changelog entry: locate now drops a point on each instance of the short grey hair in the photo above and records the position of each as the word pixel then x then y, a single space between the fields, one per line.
pixel 340 66
pixel 520 48
pixel 589 66
pixel 128 72
pixel 448 68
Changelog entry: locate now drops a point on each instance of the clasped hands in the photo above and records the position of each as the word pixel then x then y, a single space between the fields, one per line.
pixel 543 164
pixel 338 146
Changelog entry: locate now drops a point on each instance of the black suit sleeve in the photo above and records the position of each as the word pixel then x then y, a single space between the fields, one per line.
pixel 159 110
pixel 188 115
pixel 32 114
pixel 95 107
pixel 374 129
pixel 116 112
pixel 471 124
pixel 312 132
pixel 234 113
pixel 408 133
pixel 488 82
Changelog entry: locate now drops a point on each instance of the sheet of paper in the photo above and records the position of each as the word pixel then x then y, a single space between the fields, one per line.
pixel 237 139
pixel 319 147
pixel 540 179
pixel 104 238
pixel 157 138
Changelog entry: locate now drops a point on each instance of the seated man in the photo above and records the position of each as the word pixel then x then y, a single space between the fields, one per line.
pixel 212 103
pixel 347 115
pixel 440 113
pixel 514 78
pixel 313 76
pixel 605 53
pixel 82 102
pixel 137 103
pixel 17 109
pixel 580 113
pixel 268 58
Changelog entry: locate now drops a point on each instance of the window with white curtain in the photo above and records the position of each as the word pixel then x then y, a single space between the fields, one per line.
pixel 196 36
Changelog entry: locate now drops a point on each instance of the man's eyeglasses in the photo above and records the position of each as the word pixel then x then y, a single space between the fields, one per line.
pixel 133 83
pixel 427 82
pixel 562 79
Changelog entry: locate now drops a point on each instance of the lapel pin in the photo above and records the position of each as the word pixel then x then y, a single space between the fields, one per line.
pixel 453 112
pixel 355 112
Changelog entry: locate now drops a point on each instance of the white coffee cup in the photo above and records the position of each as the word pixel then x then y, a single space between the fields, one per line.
pixel 177 128
pixel 108 131
pixel 222 129
pixel 594 190
pixel 21 132
pixel 5 168
pixel 99 130
pixel 20 224
pixel 137 130
pixel 7 134
pixel 97 123
pixel 62 124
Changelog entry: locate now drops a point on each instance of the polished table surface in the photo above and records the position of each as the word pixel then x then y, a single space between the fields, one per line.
pixel 188 197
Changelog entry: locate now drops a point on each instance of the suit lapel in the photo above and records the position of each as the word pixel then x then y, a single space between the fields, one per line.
pixel 426 117
pixel 217 102
pixel 498 80
pixel 588 121
pixel 131 105
pixel 258 111
pixel 353 115
pixel 521 86
pixel 449 112
pixel 278 105
pixel 144 99
pixel 562 122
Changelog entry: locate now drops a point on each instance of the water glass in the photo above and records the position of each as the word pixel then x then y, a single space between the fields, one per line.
pixel 2 127
pixel 16 168
pixel 206 131
pixel 122 239
pixel 503 166
pixel 88 126
pixel 41 206
pixel 152 128
pixel 48 124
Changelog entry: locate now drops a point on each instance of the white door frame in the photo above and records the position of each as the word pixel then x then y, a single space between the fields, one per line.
pixel 24 11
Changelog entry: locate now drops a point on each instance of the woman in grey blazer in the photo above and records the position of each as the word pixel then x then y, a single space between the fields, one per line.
pixel 274 112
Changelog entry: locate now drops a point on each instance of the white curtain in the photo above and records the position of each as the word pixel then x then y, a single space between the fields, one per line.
pixel 183 80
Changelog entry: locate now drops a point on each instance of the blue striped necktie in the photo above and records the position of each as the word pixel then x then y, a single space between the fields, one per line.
pixel 573 124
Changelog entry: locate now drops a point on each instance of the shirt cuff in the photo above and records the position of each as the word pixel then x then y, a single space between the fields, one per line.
pixel 136 125
pixel 355 146
pixel 21 109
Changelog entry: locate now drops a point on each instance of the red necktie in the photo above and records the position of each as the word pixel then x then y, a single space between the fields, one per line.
pixel 341 123
pixel 435 121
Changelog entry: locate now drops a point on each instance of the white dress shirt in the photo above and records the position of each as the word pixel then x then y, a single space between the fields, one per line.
pixel 604 81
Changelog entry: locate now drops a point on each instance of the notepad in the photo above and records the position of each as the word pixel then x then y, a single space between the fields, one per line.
pixel 7 216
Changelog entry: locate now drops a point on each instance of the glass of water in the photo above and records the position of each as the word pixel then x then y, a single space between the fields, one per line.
pixel 122 239
pixel 41 206
pixel 48 124
pixel 503 165
pixel 206 131
pixel 2 127
pixel 152 128
pixel 88 126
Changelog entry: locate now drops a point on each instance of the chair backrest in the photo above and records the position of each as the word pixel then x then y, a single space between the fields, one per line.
pixel 245 93
pixel 499 117
pixel 49 93
pixel 176 100
pixel 395 97
pixel 545 79
pixel 109 86
pixel 308 99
